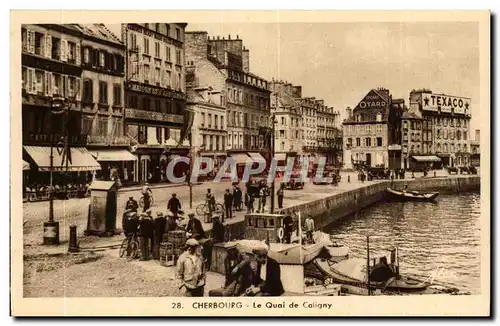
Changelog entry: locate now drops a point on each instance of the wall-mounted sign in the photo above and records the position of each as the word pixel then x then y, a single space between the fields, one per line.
pixel 446 103
pixel 151 115
pixel 147 89
pixel 372 100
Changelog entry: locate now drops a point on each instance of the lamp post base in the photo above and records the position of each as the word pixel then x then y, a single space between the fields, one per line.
pixel 51 233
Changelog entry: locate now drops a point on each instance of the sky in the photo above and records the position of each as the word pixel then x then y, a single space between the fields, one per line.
pixel 341 62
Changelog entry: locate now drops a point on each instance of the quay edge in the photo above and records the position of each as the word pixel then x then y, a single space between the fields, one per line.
pixel 330 209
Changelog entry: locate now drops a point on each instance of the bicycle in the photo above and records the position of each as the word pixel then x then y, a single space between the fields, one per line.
pixel 203 209
pixel 151 201
pixel 130 245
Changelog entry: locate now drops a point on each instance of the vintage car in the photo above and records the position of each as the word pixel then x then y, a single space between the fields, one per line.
pixel 332 173
pixel 296 181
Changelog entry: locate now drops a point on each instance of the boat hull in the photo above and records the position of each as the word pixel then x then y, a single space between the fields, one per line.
pixel 409 196
pixel 403 285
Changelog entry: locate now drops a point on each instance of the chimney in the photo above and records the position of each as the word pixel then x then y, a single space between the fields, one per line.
pixel 348 113
pixel 477 135
pixel 245 58
pixel 297 91
pixel 237 37
pixel 218 37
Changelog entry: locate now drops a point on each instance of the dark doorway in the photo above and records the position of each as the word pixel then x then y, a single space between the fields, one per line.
pixel 369 159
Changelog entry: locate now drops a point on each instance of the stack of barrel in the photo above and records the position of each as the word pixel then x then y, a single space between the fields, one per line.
pixel 172 246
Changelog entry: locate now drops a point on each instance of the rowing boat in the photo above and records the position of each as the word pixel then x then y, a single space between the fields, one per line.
pixel 411 195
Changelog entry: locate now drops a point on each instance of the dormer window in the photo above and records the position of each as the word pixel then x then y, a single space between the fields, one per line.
pixel 358 117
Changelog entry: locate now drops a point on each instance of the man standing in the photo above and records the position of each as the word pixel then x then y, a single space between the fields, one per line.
pixel 146 195
pixel 194 227
pixel 288 228
pixel 309 228
pixel 249 202
pixel 174 205
pixel 190 271
pixel 281 194
pixel 146 232
pixel 217 230
pixel 237 198
pixel 262 200
pixel 159 223
pixel 210 200
pixel 228 203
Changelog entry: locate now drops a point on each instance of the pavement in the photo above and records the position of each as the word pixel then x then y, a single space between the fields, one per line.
pixel 75 211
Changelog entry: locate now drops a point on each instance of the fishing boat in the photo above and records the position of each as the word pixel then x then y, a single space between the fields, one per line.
pixel 411 195
pixel 353 272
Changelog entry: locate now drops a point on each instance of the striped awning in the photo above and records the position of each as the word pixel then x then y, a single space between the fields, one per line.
pixel 429 158
pixel 240 158
pixel 26 166
pixel 113 155
pixel 81 159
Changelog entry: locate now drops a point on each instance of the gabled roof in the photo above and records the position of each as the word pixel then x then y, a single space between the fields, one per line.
pixel 98 31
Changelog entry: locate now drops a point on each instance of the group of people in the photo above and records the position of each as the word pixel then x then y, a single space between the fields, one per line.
pixel 261 195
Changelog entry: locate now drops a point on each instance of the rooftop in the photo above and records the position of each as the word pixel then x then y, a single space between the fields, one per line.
pixel 98 31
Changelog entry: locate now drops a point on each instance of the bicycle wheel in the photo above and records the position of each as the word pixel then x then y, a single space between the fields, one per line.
pixel 123 247
pixel 134 250
pixel 200 209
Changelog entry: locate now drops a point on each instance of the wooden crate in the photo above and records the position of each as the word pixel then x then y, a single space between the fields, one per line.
pixel 219 254
pixel 178 238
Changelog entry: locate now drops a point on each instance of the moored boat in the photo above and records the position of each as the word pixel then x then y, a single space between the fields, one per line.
pixel 352 272
pixel 411 195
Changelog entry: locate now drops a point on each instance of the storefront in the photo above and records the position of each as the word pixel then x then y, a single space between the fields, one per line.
pixel 421 163
pixel 116 164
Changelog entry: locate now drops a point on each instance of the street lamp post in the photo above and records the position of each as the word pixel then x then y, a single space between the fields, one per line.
pixel 51 227
pixel 272 158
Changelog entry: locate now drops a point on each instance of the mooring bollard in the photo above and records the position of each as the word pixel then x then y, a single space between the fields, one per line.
pixel 73 244
pixel 434 174
pixel 349 178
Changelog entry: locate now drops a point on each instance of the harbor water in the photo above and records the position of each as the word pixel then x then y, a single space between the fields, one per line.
pixel 436 241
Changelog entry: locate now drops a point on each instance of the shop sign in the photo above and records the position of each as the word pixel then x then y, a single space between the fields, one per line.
pixel 447 103
pixel 372 100
pixel 147 89
pixel 155 116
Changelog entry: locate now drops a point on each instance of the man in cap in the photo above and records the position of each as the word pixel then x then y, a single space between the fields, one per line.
pixel 171 222
pixel 252 284
pixel 131 204
pixel 174 205
pixel 159 229
pixel 194 227
pixel 228 203
pixel 217 230
pixel 190 270
pixel 146 232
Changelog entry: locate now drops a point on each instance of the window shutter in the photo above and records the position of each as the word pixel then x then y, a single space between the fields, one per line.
pixel 31 41
pixel 48 46
pixel 42 46
pixel 64 86
pixel 101 59
pixel 64 48
pixel 77 89
pixel 29 80
pixel 162 78
pixel 46 84
pixel 78 54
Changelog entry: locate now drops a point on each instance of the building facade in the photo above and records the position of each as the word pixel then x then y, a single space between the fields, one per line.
pixel 102 102
pixel 446 125
pixel 224 65
pixel 51 105
pixel 155 97
pixel 285 103
pixel 475 149
pixel 329 137
pixel 372 131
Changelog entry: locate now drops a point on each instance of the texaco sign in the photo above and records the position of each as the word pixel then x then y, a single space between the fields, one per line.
pixel 447 103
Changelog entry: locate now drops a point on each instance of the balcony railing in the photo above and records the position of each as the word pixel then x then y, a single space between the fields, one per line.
pixel 108 140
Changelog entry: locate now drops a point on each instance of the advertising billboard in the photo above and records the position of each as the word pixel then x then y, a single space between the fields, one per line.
pixel 446 103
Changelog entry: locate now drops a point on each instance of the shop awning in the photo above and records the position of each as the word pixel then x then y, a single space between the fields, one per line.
pixel 26 166
pixel 429 158
pixel 113 155
pixel 81 159
pixel 240 158
pixel 280 157
pixel 257 157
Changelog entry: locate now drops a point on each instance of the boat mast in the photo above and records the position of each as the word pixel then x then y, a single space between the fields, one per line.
pixel 368 264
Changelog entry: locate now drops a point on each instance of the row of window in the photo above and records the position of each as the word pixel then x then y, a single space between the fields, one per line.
pixel 214 142
pixel 103 97
pixel 153 135
pixel 159 51
pixel 159 104
pixel 50 47
pixel 238 141
pixel 102 126
pixel 378 141
pixel 452 134
pixel 248 120
pixel 445 148
pixel 240 97
pixel 157 76
pixel 47 83
pixel 362 129
pixel 103 59
pixel 458 122
pixel 208 121
pixel 165 30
